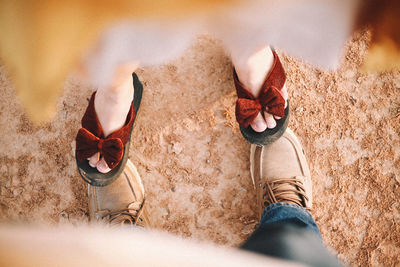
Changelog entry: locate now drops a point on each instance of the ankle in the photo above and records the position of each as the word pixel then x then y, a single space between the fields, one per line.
pixel 121 83
pixel 112 110
pixel 116 95
pixel 253 70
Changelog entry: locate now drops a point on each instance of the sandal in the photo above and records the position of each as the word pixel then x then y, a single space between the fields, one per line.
pixel 115 148
pixel 247 106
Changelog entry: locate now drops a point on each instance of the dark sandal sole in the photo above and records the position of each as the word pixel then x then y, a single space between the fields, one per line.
pixel 91 175
pixel 269 135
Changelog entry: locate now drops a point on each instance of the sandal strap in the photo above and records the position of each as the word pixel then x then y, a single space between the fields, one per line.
pixel 90 138
pixel 270 97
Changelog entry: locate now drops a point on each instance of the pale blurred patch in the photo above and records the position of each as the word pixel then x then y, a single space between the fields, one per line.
pixel 383 56
pixel 383 19
pixel 41 41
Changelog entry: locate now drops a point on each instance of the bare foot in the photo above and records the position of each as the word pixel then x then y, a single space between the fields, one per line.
pixel 112 105
pixel 252 72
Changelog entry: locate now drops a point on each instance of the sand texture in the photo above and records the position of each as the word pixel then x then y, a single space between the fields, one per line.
pixel 195 164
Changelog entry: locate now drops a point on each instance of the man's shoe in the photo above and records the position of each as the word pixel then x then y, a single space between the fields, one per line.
pixel 280 173
pixel 121 202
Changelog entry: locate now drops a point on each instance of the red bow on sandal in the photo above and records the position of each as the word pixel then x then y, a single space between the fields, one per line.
pixel 270 99
pixel 89 144
pixel 115 148
pixel 90 138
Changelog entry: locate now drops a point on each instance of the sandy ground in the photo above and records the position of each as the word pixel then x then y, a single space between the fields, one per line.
pixel 194 162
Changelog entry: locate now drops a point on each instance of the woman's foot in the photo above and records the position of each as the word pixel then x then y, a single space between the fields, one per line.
pixel 112 106
pixel 252 72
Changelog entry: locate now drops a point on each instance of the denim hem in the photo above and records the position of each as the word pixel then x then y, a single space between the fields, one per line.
pixel 283 212
pixel 272 206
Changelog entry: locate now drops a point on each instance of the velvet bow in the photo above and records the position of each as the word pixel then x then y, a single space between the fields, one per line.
pixel 88 144
pixel 270 99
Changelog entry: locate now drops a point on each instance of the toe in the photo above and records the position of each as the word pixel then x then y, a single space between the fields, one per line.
pixel 269 119
pixel 102 166
pixel 259 124
pixel 93 160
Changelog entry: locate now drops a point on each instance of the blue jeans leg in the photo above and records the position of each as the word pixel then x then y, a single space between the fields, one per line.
pixel 289 231
pixel 287 213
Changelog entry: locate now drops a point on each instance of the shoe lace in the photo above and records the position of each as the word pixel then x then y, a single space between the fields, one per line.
pixel 129 215
pixel 285 190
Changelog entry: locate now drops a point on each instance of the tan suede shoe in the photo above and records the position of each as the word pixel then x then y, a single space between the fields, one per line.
pixel 121 202
pixel 280 173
